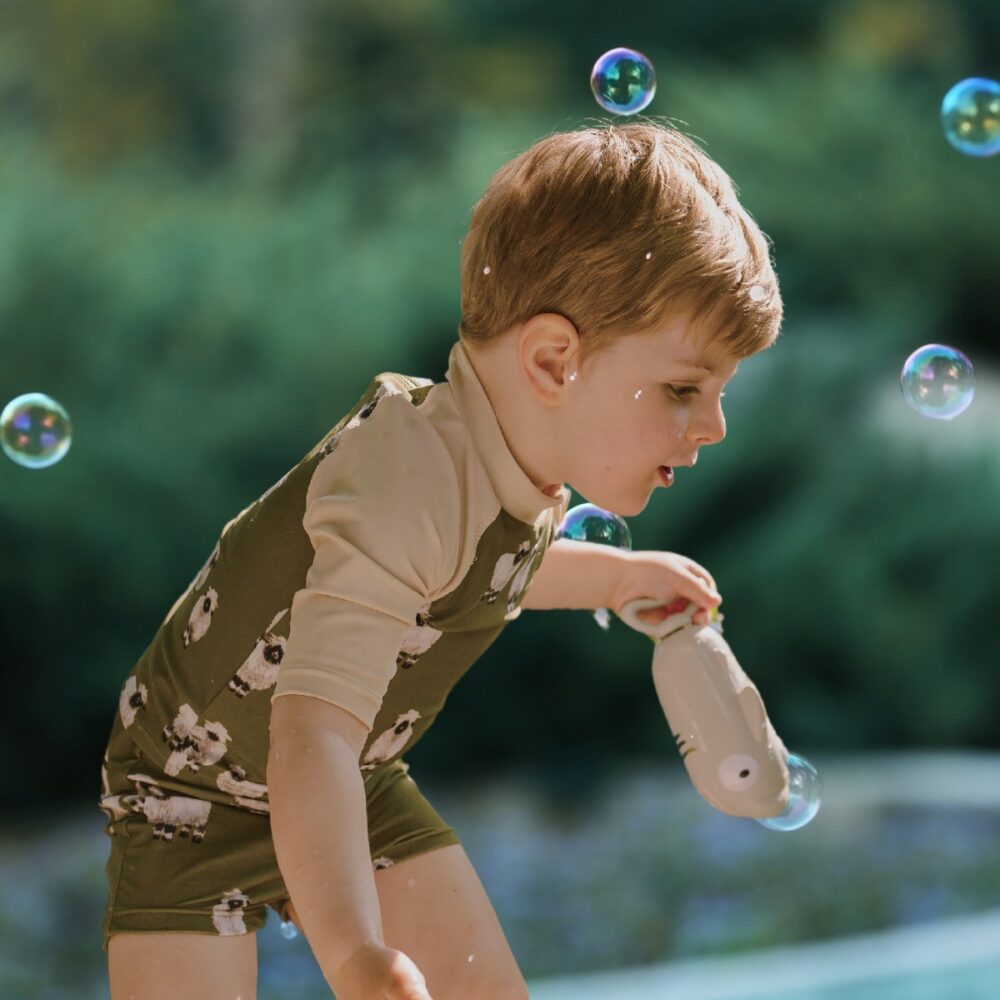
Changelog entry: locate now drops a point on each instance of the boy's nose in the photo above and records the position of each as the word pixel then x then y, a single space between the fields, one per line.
pixel 709 428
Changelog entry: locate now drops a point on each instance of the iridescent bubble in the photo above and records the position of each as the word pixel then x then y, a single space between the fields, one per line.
pixel 288 930
pixel 970 114
pixel 35 430
pixel 937 381
pixel 623 81
pixel 804 796
pixel 586 522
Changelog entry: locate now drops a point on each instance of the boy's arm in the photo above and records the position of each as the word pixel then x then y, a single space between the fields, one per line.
pixel 591 575
pixel 319 826
pixel 576 575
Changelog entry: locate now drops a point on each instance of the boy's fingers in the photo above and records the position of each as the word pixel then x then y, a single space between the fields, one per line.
pixel 708 594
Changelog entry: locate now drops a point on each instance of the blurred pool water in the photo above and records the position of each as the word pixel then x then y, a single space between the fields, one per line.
pixel 955 959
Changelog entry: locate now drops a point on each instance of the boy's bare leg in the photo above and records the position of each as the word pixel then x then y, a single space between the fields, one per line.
pixel 436 911
pixel 164 966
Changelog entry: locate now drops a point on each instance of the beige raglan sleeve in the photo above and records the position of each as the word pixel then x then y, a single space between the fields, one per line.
pixel 384 518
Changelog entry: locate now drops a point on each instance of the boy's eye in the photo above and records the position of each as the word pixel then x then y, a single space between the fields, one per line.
pixel 680 391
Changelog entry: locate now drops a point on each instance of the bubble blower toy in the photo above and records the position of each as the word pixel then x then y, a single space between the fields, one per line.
pixel 734 757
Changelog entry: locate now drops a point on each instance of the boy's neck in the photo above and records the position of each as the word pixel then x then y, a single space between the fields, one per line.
pixel 495 365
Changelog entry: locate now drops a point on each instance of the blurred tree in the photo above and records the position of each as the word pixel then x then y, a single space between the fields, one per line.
pixel 219 223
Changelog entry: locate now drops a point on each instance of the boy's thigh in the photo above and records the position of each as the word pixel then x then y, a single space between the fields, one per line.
pixel 194 966
pixel 434 907
pixel 436 911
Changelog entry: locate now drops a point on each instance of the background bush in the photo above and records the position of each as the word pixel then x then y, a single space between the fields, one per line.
pixel 217 225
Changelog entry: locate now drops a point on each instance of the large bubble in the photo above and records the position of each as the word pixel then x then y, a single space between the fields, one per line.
pixel 937 381
pixel 35 430
pixel 586 522
pixel 623 81
pixel 970 114
pixel 805 791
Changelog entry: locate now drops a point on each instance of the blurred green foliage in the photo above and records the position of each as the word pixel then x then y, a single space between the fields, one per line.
pixel 218 222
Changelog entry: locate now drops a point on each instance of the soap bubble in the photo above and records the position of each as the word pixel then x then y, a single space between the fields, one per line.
pixel 804 793
pixel 35 430
pixel 623 81
pixel 288 930
pixel 970 113
pixel 937 381
pixel 586 522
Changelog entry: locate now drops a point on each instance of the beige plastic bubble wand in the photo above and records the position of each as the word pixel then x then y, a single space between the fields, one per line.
pixel 734 757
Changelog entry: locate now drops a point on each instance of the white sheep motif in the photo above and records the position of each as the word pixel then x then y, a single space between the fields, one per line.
pixel 415 643
pixel 259 670
pixel 193 745
pixel 132 698
pixel 177 813
pixel 201 616
pixel 392 741
pixel 227 914
pixel 520 579
pixel 247 794
pixel 506 566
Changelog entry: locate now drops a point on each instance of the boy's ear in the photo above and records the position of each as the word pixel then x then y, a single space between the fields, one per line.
pixel 548 345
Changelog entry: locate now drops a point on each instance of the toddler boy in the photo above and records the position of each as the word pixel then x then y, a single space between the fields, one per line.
pixel 611 282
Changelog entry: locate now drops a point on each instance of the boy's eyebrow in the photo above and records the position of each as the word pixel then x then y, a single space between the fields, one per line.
pixel 701 365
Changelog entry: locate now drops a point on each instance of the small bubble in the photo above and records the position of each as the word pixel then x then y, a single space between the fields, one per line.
pixel 623 81
pixel 758 293
pixel 649 254
pixel 938 381
pixel 638 393
pixel 572 377
pixel 35 430
pixel 471 957
pixel 970 114
pixel 486 270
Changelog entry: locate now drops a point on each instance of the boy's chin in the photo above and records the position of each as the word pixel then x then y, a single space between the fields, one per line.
pixel 622 506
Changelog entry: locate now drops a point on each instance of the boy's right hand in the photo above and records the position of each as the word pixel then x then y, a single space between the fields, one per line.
pixel 376 971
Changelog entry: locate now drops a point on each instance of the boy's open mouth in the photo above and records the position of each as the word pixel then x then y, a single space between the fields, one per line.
pixel 666 475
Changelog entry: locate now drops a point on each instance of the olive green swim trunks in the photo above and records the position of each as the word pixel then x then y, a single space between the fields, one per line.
pixel 180 863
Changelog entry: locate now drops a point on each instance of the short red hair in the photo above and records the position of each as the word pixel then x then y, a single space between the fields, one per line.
pixel 622 230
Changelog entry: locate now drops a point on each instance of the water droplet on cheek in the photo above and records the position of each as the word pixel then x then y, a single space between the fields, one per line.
pixel 638 393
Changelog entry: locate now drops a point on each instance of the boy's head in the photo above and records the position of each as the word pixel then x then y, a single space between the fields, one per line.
pixel 621 230
pixel 600 267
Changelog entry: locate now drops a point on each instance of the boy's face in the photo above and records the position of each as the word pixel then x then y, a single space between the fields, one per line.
pixel 648 400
